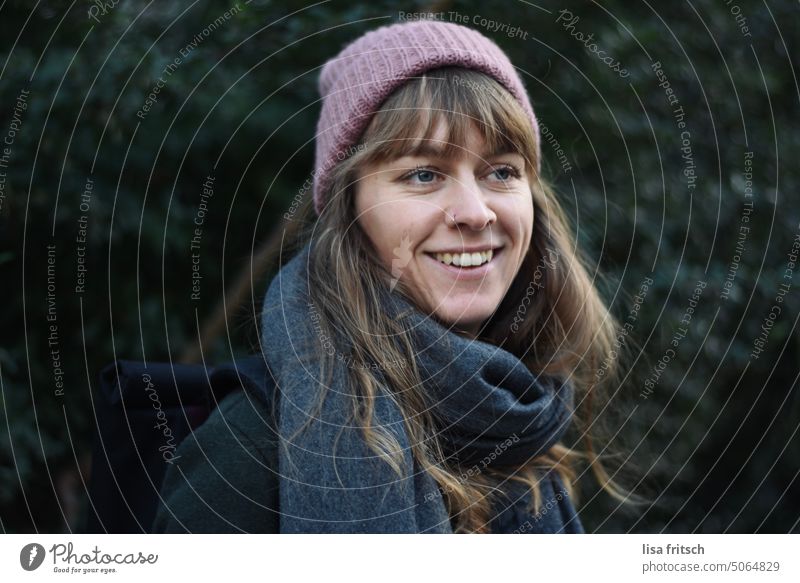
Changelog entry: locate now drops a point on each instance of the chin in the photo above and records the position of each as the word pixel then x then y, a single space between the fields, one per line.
pixel 465 317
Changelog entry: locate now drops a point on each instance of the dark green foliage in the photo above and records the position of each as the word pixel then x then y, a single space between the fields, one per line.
pixel 717 434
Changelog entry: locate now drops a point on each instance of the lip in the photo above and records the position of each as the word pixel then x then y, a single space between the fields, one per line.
pixel 467 273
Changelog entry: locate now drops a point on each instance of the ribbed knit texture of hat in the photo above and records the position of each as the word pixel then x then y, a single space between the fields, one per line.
pixel 355 83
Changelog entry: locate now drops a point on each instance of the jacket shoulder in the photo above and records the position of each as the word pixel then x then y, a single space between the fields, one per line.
pixel 224 475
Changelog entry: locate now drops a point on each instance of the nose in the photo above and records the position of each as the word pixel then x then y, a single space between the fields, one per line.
pixel 468 206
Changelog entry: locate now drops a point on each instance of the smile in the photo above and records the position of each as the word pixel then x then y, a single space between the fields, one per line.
pixel 466 266
pixel 465 259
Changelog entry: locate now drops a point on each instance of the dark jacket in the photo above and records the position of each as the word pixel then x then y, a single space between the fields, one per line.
pixel 224 482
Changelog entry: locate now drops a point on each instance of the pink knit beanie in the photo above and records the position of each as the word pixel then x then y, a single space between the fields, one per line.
pixel 358 80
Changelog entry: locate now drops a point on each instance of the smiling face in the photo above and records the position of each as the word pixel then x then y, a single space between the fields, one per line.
pixel 457 270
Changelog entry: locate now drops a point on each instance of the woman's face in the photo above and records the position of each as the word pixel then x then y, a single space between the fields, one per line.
pixel 456 270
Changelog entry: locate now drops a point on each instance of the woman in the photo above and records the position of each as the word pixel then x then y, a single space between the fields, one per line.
pixel 436 338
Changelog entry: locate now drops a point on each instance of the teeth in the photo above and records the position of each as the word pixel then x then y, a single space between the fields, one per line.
pixel 466 259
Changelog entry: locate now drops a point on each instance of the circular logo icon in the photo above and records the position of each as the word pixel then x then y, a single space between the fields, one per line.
pixel 31 556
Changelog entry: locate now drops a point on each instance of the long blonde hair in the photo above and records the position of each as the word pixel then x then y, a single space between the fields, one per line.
pixel 552 317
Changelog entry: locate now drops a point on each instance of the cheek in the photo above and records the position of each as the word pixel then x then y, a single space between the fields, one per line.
pixel 517 219
pixel 391 225
pixel 527 223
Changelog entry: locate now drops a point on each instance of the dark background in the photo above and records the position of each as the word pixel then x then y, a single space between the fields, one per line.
pixel 714 445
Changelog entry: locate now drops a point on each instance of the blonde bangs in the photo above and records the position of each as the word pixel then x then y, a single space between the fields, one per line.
pixel 459 99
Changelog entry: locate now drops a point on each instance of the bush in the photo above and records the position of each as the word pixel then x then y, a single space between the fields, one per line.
pixel 106 174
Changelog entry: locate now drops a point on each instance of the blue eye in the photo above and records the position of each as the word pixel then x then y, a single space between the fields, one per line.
pixel 420 176
pixel 506 173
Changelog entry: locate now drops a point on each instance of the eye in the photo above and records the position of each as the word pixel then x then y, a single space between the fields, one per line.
pixel 420 175
pixel 425 175
pixel 506 172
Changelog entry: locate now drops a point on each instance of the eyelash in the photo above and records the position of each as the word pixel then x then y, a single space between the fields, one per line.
pixel 515 172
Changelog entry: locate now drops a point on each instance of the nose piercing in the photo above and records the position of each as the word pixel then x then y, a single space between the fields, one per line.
pixel 450 219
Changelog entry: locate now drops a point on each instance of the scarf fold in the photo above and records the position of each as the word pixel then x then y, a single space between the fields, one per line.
pixel 490 410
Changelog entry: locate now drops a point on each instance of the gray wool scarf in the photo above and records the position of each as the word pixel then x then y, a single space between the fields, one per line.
pixel 489 407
